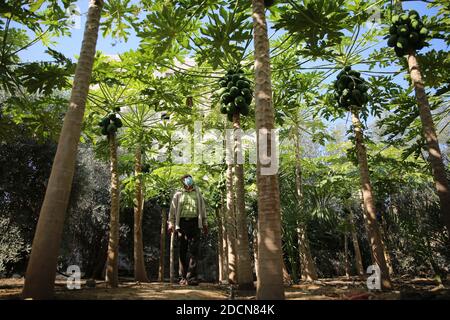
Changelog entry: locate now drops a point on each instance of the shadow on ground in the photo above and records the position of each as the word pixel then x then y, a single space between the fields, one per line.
pixel 324 289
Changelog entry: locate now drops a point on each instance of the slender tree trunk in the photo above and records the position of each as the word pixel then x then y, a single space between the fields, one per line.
pixel 112 261
pixel 387 256
pixel 429 132
pixel 172 253
pixel 244 266
pixel 41 269
pixel 270 273
pixel 231 228
pixel 369 204
pixel 221 258
pixel 347 263
pixel 224 245
pixel 308 267
pixel 140 273
pixel 255 247
pixel 358 258
pixel 162 250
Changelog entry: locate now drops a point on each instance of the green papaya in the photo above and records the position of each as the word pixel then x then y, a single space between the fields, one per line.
pixel 117 109
pixel 393 30
pixel 244 110
pixel 236 78
pixel 234 92
pixel 404 17
pixel 347 68
pixel 414 38
pixel 424 31
pixel 246 92
pixel 230 85
pixel 392 42
pixel 241 84
pixel 223 83
pixel 357 97
pixel 248 99
pixel 112 116
pixel 225 98
pixel 118 123
pixel 239 101
pixel 403 30
pixel 416 25
pixel 413 13
pixel 231 108
pixel 395 18
pixel 402 43
pixel 399 52
pixel 223 109
pixel 104 131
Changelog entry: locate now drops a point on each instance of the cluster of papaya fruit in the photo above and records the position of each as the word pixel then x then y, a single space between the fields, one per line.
pixel 110 124
pixel 235 93
pixel 350 89
pixel 406 33
pixel 269 3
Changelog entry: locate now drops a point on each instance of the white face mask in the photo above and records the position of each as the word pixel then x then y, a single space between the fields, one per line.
pixel 188 181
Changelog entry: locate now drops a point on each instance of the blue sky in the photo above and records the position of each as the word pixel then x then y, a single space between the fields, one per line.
pixel 70 45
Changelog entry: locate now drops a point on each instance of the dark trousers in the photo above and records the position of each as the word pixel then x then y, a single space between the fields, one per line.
pixel 189 237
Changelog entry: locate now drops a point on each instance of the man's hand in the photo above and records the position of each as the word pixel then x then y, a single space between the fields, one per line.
pixel 205 230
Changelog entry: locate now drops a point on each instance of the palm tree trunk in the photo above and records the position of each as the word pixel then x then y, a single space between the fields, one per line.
pixel 369 204
pixel 270 273
pixel 308 267
pixel 162 251
pixel 231 228
pixel 112 261
pixel 41 269
pixel 244 266
pixel 140 273
pixel 429 132
pixel 358 258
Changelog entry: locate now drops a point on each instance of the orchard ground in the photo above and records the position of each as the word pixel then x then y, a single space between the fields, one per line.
pixel 341 288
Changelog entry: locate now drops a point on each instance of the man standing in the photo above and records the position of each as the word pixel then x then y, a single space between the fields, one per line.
pixel 188 208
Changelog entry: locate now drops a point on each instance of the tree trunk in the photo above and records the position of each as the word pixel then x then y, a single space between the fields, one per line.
pixel 140 273
pixel 308 267
pixel 358 258
pixel 244 266
pixel 41 269
pixel 270 273
pixel 369 204
pixel 112 261
pixel 255 246
pixel 224 245
pixel 162 251
pixel 172 253
pixel 231 228
pixel 347 264
pixel 429 132
pixel 387 256
pixel 220 246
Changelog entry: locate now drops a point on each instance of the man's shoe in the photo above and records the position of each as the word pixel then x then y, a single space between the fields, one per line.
pixel 192 282
pixel 183 282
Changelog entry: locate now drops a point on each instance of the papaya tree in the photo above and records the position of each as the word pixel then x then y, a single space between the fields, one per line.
pixel 408 35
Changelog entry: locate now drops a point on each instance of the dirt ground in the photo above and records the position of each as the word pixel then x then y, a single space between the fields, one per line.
pixel 324 289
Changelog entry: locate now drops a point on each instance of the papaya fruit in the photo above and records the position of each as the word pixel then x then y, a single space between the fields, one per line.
pixel 244 110
pixel 403 30
pixel 118 123
pixel 239 101
pixel 225 98
pixel 402 43
pixel 111 128
pixel 393 30
pixel 234 92
pixel 392 42
pixel 395 19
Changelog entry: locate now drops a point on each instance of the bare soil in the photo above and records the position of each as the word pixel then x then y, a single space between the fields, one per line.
pixel 324 289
